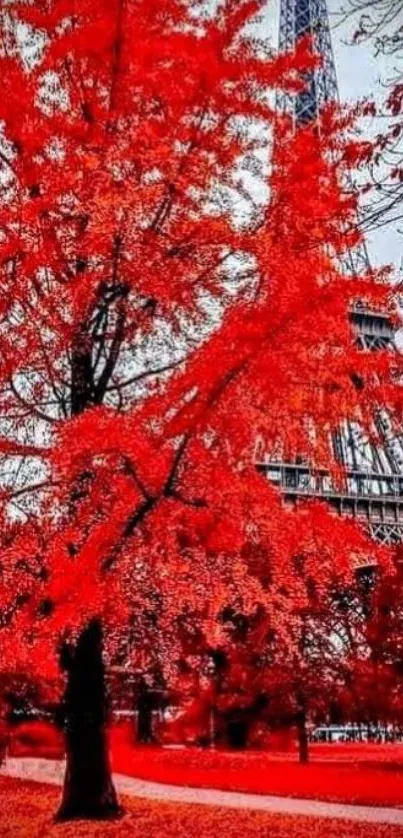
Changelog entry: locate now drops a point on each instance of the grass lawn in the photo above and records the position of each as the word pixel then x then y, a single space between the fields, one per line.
pixel 26 811
pixel 361 775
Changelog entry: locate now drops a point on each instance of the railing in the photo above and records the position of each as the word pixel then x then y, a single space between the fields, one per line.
pixel 294 478
pixel 372 322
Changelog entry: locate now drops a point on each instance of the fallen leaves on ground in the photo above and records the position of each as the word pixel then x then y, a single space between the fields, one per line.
pixel 364 780
pixel 26 811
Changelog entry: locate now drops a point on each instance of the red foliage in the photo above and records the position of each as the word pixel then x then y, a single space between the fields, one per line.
pixel 38 739
pixel 122 145
pixel 395 100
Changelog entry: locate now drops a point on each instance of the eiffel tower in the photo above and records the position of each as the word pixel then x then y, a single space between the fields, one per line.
pixel 373 484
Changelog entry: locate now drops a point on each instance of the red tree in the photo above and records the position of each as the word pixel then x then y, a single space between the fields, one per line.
pixel 121 149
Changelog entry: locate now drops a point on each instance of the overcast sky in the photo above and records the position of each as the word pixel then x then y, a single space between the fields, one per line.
pixel 359 75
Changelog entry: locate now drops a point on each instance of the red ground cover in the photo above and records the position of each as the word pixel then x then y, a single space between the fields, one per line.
pixel 26 811
pixel 350 774
pixel 366 774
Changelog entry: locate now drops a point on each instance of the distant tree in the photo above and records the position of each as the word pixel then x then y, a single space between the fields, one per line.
pixel 295 659
pixel 379 677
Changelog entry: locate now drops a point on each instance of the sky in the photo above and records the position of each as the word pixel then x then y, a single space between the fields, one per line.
pixel 360 74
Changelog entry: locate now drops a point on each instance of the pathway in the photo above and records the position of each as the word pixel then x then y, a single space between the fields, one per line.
pixel 51 771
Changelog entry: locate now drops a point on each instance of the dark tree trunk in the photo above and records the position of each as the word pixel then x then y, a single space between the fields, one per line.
pixel 88 789
pixel 144 715
pixel 81 373
pixel 302 733
pixel 237 732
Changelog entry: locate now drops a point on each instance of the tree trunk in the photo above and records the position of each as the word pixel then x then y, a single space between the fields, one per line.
pixel 88 789
pixel 237 732
pixel 144 714
pixel 302 733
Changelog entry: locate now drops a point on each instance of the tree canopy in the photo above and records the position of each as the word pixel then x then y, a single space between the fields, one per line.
pixel 147 339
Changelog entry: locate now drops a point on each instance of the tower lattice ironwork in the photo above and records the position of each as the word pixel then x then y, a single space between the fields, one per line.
pixel 373 485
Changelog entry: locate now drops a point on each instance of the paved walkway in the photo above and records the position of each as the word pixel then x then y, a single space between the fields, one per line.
pixel 51 771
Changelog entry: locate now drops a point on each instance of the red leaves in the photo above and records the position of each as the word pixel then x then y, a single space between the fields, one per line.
pixel 395 100
pixel 369 109
pixel 92 38
pixel 358 152
pixel 118 245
